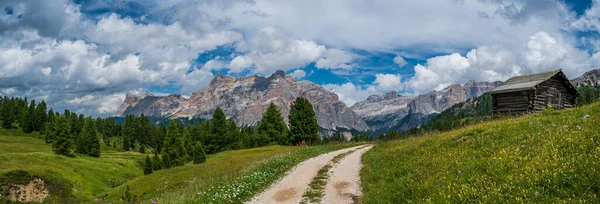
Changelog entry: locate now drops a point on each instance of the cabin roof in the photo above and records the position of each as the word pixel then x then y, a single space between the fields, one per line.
pixel 524 82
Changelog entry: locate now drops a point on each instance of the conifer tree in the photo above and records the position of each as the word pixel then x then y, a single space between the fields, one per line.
pixel 199 154
pixel 128 132
pixel 40 116
pixel 29 118
pixel 156 162
pixel 219 123
pixel 233 138
pixel 63 141
pixel 273 126
pixel 303 123
pixel 142 148
pixel 173 148
pixel 7 112
pixel 88 141
pixel 148 167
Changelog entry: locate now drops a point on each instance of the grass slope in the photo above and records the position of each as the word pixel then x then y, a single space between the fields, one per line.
pixel 553 156
pixel 227 177
pixel 81 178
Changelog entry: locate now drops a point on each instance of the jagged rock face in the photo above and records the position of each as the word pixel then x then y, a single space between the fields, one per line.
pixel 394 111
pixel 591 78
pixel 245 99
pixel 149 104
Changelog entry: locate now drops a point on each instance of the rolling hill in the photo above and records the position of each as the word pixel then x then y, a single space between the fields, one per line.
pixel 547 157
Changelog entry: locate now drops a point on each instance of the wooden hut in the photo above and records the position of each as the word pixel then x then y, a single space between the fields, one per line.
pixel 534 92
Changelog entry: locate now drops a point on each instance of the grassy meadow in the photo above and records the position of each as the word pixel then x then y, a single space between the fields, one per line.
pixel 76 179
pixel 548 157
pixel 228 177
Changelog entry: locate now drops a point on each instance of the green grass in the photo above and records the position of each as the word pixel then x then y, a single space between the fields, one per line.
pixel 548 157
pixel 83 179
pixel 236 176
pixel 85 176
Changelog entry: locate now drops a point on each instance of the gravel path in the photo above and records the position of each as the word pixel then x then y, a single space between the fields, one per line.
pixel 291 187
pixel 343 185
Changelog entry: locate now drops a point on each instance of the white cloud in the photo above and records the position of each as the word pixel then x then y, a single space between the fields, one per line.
pixel 350 93
pixel 194 81
pixel 545 52
pixel 170 54
pixel 214 64
pixel 240 63
pixel 388 81
pixel 334 58
pixel 110 104
pixel 399 60
pixel 298 74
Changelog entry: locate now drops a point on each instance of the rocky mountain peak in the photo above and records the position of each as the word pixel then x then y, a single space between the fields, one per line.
pixel 590 78
pixel 391 94
pixel 245 99
pixel 398 112
pixel 221 79
pixel 278 73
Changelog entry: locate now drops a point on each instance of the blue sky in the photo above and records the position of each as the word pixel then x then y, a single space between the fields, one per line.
pixel 85 55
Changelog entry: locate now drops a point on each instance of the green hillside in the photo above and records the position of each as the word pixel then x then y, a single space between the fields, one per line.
pixel 68 179
pixel 84 179
pixel 552 156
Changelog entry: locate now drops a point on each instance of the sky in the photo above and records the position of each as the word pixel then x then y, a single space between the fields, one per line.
pixel 85 55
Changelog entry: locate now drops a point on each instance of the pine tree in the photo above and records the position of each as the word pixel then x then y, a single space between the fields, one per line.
pixel 273 126
pixel 148 167
pixel 218 138
pixel 29 118
pixel 233 138
pixel 63 141
pixel 173 148
pixel 219 123
pixel 7 111
pixel 128 132
pixel 303 123
pixel 199 154
pixel 156 162
pixel 142 149
pixel 40 116
pixel 88 141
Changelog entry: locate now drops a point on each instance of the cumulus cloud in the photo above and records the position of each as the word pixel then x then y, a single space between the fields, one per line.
pixel 54 52
pixel 298 74
pixel 388 81
pixel 50 18
pixel 350 93
pixel 542 52
pixel 399 60
pixel 546 52
pixel 169 54
pixel 334 58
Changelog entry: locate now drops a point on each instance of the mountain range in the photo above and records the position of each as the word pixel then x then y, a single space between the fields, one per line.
pixel 393 111
pixel 245 99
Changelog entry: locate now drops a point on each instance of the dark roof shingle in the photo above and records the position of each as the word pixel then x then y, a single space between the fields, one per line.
pixel 524 82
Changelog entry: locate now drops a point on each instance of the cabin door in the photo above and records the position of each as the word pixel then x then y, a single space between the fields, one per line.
pixel 554 98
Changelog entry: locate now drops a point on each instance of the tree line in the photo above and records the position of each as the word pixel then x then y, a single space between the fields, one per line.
pixel 172 145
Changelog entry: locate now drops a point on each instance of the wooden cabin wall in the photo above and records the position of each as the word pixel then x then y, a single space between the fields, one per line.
pixel 568 95
pixel 513 102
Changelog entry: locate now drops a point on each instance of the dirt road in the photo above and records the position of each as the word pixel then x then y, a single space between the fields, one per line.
pixel 291 187
pixel 344 180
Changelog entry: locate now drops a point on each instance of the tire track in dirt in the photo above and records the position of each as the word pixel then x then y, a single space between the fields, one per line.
pixel 343 185
pixel 291 187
